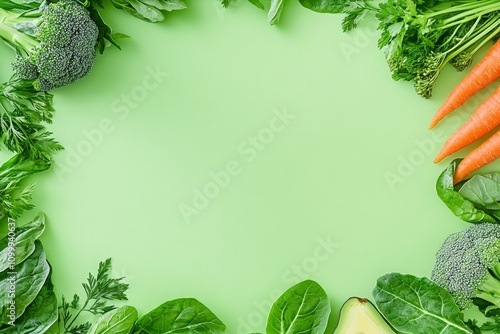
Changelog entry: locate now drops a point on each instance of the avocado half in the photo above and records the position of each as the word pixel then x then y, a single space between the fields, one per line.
pixel 360 316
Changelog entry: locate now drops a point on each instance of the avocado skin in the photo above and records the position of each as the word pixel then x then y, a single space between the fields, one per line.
pixel 360 316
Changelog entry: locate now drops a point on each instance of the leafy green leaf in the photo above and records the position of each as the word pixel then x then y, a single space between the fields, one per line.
pixel 105 34
pixel 492 326
pixel 225 3
pixel 273 16
pixel 24 242
pixel 14 199
pixel 20 4
pixel 455 201
pixel 483 190
pixel 181 316
pixel 39 316
pixel 22 112
pixel 257 4
pixel 25 282
pixel 118 321
pixel 418 305
pixel 304 308
pixel 325 6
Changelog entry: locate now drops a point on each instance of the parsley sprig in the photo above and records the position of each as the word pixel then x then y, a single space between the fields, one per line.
pixel 23 111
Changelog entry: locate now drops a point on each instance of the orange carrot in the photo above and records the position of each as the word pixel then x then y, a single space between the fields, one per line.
pixel 484 73
pixel 483 120
pixel 479 157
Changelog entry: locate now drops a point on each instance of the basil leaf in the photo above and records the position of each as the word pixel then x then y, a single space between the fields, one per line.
pixel 24 242
pixel 273 16
pixel 39 316
pixel 304 308
pixel 456 202
pixel 25 282
pixel 185 315
pixel 418 305
pixel 118 321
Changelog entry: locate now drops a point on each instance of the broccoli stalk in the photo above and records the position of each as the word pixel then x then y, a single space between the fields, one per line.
pixel 468 266
pixel 55 44
pixel 419 37
pixel 489 289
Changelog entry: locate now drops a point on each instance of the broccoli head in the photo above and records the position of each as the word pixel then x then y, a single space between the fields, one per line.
pixel 55 44
pixel 468 265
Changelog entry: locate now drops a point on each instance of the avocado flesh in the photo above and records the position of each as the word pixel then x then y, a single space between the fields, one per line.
pixel 359 316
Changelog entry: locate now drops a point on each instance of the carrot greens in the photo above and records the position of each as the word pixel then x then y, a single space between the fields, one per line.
pixel 419 37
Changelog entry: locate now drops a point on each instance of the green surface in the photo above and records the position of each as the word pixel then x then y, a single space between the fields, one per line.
pixel 139 147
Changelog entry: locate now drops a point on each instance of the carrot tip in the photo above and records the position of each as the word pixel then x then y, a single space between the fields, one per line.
pixel 438 158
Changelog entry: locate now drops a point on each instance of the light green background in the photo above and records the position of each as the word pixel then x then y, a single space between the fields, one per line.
pixel 323 177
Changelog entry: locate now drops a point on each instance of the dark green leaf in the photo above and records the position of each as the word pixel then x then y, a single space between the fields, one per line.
pixel 27 279
pixel 418 305
pixel 105 34
pixel 24 242
pixel 325 6
pixel 304 308
pixel 492 326
pixel 149 10
pixel 181 316
pixel 39 316
pixel 483 190
pixel 487 308
pixel 225 3
pixel 456 202
pixel 118 321
pixel 257 4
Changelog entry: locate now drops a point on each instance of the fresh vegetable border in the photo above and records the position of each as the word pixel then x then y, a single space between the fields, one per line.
pixel 30 305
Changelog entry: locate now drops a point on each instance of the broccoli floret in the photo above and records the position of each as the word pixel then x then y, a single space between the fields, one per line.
pixel 55 44
pixel 468 265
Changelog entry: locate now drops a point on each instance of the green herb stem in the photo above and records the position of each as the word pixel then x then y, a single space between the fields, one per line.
pixel 473 13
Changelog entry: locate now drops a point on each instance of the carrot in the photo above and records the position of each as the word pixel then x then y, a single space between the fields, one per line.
pixel 483 120
pixel 479 157
pixel 484 73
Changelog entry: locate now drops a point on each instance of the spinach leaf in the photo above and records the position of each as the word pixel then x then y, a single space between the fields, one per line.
pixel 118 321
pixel 149 10
pixel 418 305
pixel 483 190
pixel 185 315
pixel 39 316
pixel 23 283
pixel 462 207
pixel 24 242
pixel 304 308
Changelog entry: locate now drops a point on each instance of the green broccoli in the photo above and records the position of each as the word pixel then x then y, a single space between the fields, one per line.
pixel 55 43
pixel 468 266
